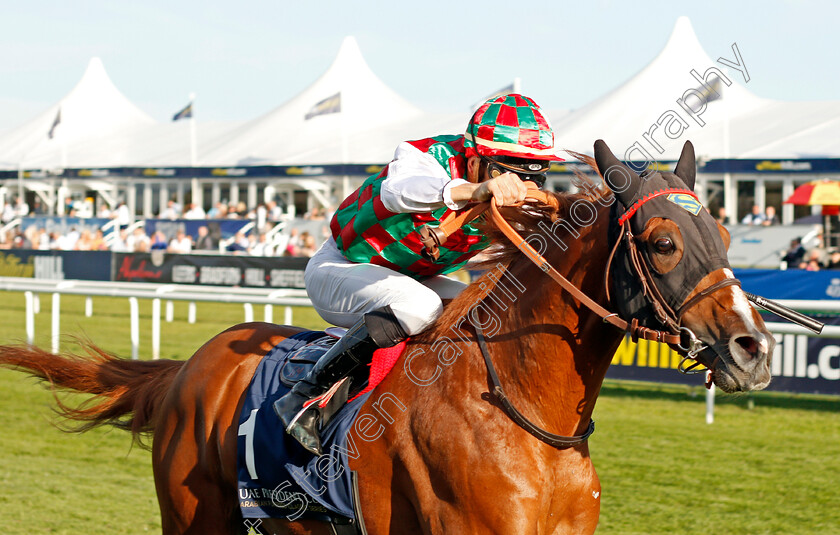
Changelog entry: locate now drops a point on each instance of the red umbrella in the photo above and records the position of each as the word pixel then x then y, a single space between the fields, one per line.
pixel 824 193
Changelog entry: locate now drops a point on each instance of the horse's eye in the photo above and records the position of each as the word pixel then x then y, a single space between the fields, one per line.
pixel 663 245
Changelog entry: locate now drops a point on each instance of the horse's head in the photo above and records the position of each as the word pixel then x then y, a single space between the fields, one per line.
pixel 672 271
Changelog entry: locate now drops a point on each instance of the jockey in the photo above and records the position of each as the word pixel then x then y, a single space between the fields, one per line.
pixel 371 275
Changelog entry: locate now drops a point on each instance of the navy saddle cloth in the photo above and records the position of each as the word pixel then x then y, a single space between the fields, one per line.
pixel 277 477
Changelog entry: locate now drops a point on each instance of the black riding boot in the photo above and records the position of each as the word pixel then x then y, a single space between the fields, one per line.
pixel 299 409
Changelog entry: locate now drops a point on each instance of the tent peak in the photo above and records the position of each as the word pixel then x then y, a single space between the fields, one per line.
pixel 350 55
pixel 682 36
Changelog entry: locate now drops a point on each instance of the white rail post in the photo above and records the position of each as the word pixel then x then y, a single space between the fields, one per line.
pixel 710 403
pixel 287 318
pixel 30 317
pixel 249 312
pixel 37 304
pixel 88 306
pixel 156 328
pixel 135 327
pixel 191 312
pixel 56 320
pixel 170 311
pixel 268 315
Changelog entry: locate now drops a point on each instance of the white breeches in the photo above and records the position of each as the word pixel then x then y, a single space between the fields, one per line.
pixel 342 291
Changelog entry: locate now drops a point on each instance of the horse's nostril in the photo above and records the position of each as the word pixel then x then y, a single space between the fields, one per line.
pixel 748 344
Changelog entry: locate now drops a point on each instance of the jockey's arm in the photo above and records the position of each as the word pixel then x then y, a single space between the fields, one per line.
pixel 417 183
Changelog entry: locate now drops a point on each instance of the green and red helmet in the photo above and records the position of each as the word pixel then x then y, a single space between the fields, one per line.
pixel 511 126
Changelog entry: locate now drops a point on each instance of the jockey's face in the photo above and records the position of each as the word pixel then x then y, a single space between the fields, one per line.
pixel 475 171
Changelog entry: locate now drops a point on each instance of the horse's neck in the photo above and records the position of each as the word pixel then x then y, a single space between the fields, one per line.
pixel 551 353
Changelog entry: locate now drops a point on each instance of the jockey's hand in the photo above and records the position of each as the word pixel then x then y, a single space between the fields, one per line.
pixel 508 189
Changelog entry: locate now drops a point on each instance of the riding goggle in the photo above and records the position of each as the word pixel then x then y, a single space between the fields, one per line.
pixel 530 170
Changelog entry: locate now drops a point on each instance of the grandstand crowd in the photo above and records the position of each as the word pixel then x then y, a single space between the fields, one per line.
pixel 266 238
pixel 273 233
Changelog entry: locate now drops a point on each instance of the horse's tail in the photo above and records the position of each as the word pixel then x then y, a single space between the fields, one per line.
pixel 127 393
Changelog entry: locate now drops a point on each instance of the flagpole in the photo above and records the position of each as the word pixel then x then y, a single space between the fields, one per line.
pixel 194 185
pixel 20 178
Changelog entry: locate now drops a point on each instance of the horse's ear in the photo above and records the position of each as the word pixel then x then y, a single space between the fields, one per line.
pixel 623 182
pixel 686 167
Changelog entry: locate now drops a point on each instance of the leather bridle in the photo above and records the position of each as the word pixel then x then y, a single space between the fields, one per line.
pixel 679 337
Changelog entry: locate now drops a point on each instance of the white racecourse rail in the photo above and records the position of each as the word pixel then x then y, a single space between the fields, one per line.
pixel 249 297
pixel 134 291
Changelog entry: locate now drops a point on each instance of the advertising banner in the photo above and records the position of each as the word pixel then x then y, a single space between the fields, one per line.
pixel 211 270
pixel 800 363
pixel 791 284
pixel 56 265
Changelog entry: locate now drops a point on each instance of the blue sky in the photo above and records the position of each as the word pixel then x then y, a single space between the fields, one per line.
pixel 244 58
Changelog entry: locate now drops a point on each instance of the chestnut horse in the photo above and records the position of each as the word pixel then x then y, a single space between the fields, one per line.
pixel 445 456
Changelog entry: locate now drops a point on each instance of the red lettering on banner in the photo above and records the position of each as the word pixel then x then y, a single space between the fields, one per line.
pixel 127 273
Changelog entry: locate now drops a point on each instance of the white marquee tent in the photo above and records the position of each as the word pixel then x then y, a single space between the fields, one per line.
pixel 739 124
pixel 360 117
pixel 93 110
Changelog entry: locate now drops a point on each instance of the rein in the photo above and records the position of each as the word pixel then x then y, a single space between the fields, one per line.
pixel 558 441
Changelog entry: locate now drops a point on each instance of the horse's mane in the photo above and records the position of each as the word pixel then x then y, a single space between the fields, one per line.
pixel 526 220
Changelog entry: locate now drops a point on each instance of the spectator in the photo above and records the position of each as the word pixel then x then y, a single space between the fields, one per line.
pixel 43 240
pixel 315 214
pixel 98 241
pixel 239 244
pixel 67 242
pixel 138 242
pixel 262 247
pixel 275 213
pixel 205 241
pixel 195 212
pixel 753 218
pixel 123 215
pixel 722 218
pixel 103 211
pixel 159 241
pixel 261 215
pixel 181 243
pixel 834 260
pixel 308 246
pixel 85 241
pixel 794 255
pixel 21 208
pixel 172 210
pixel 120 244
pixel 8 212
pixel 293 243
pixel 813 263
pixel 218 212
pixel 770 217
pixel 37 207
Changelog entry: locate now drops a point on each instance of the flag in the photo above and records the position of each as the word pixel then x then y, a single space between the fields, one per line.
pixel 328 105
pixel 711 92
pixel 185 113
pixel 56 121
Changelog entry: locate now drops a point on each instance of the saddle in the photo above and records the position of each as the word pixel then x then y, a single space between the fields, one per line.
pixel 277 477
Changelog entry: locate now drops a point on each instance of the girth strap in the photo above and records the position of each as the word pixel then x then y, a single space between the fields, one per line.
pixel 557 441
